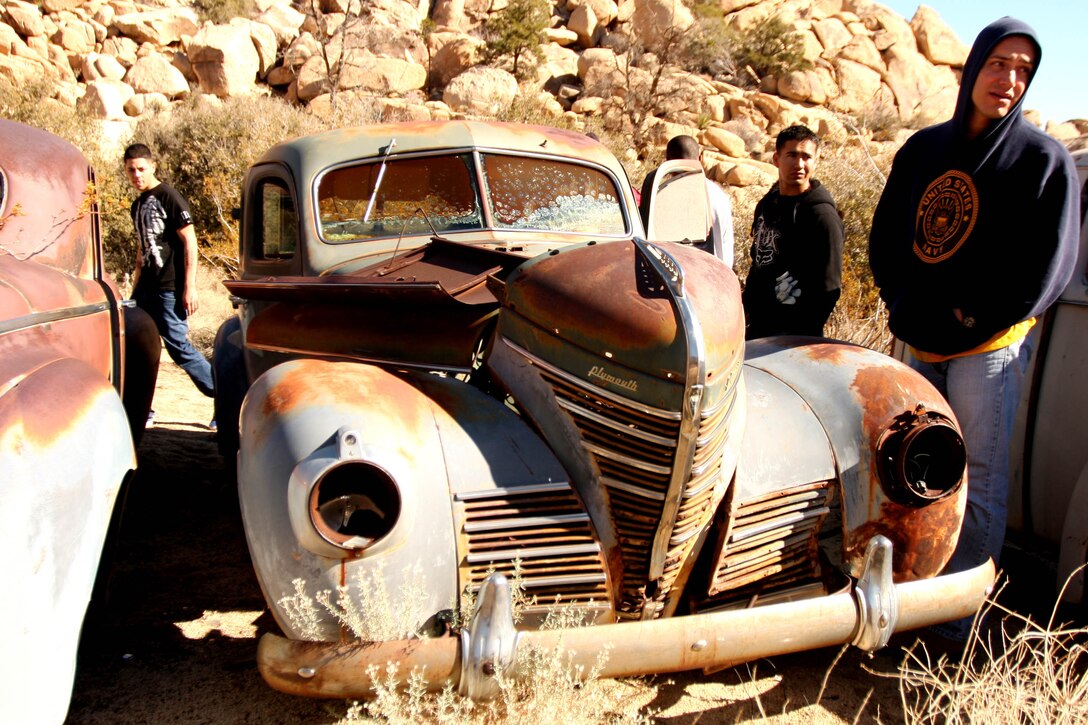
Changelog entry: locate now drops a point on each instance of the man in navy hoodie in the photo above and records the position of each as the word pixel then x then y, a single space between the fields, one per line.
pixel 974 237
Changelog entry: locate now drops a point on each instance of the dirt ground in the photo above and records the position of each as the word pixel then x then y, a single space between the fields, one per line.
pixel 177 641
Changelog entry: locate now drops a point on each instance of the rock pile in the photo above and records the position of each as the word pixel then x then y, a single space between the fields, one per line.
pixel 119 59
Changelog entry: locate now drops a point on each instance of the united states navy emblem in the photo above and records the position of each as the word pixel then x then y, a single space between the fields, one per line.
pixel 946 215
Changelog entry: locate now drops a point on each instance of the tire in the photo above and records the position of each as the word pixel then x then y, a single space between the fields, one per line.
pixel 231 384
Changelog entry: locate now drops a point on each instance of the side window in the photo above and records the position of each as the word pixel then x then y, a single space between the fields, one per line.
pixel 276 223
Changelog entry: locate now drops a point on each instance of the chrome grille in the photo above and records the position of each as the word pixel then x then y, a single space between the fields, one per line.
pixel 545 530
pixel 634 447
pixel 773 542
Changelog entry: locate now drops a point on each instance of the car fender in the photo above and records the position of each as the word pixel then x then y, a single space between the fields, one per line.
pixel 434 437
pixel 64 457
pixel 857 395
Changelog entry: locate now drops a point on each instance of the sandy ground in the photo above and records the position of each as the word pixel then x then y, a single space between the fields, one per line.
pixel 177 641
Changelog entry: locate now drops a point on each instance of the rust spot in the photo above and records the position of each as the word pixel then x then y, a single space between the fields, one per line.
pixel 923 539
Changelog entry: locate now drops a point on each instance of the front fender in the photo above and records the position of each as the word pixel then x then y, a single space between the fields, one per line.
pixel 63 458
pixel 439 441
pixel 857 395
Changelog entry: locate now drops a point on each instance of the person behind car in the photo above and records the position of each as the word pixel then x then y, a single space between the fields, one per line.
pixel 797 237
pixel 721 208
pixel 164 282
pixel 974 236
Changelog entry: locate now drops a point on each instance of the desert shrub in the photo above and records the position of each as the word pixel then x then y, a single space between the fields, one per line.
pixel 1027 672
pixel 223 11
pixel 769 48
pixel 517 30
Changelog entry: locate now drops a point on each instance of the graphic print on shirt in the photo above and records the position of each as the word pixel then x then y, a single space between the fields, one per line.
pixel 150 225
pixel 764 243
pixel 946 215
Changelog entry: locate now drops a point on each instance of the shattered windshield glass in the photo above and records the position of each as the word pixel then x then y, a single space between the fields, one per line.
pixel 411 191
pixel 551 195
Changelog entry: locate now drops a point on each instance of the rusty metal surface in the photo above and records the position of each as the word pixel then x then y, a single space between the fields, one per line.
pixel 701 641
pixel 857 394
pixel 46 213
pixel 65 443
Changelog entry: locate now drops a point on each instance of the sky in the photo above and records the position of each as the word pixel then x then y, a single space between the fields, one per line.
pixel 1059 90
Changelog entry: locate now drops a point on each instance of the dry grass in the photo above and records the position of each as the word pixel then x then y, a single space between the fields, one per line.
pixel 1024 672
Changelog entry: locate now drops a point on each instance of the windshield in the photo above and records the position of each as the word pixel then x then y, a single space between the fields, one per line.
pixel 525 193
pixel 532 193
pixel 411 191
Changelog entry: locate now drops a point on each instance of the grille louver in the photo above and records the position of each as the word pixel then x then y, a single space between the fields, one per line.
pixel 546 529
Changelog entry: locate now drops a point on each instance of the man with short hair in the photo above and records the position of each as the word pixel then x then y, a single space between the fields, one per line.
pixel 164 283
pixel 797 237
pixel 975 235
pixel 721 208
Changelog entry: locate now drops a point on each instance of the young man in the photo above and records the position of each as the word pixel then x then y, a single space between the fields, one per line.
pixel 797 237
pixel 164 283
pixel 974 236
pixel 721 208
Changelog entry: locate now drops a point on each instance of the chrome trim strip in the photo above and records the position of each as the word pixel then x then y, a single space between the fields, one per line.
pixel 626 460
pixel 43 318
pixel 632 489
pixel 533 553
pixel 607 394
pixel 512 523
pixel 533 582
pixel 501 491
pixel 608 422
pixel 747 532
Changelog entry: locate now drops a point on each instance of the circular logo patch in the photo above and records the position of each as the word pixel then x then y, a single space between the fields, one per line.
pixel 946 216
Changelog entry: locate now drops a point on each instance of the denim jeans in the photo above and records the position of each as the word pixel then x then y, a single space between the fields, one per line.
pixel 172 321
pixel 984 391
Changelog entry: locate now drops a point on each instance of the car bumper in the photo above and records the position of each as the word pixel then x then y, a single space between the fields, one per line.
pixel 865 616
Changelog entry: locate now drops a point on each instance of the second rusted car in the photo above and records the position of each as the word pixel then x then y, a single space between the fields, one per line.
pixel 464 364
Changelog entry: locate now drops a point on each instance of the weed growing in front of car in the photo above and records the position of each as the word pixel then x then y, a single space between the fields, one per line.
pixel 1028 672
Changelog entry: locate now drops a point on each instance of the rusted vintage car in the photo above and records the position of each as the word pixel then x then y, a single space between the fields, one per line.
pixel 66 440
pixel 468 367
pixel 1048 505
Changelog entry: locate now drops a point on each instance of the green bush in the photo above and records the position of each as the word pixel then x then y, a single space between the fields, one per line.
pixel 223 11
pixel 770 48
pixel 517 30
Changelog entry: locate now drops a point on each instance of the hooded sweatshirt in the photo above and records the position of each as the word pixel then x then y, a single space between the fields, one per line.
pixel 800 236
pixel 985 225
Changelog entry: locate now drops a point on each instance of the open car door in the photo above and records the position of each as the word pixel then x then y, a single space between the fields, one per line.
pixel 679 210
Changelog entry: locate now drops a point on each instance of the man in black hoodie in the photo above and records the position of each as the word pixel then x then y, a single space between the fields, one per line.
pixel 797 237
pixel 974 236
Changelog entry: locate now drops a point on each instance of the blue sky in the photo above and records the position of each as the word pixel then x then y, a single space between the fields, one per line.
pixel 1060 89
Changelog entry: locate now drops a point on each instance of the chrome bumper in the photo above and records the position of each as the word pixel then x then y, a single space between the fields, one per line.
pixel 866 617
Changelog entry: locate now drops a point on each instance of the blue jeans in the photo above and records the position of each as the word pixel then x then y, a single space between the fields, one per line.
pixel 171 319
pixel 984 391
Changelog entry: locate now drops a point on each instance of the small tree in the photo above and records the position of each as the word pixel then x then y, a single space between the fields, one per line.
pixel 517 29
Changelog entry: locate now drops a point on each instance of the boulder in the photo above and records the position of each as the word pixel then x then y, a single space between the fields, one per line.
pixel 858 85
pixel 159 27
pixel 725 141
pixel 155 73
pixel 583 22
pixel 833 35
pixel 105 99
pixel 142 103
pixel 122 48
pixel 917 83
pixel 937 42
pixel 456 54
pixel 654 22
pixel 266 45
pixel 24 17
pixel 224 60
pixel 862 49
pixel 74 36
pixel 383 76
pixel 481 90
pixel 285 21
pixel 98 65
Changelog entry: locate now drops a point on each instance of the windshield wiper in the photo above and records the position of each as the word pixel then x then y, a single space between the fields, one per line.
pixel 378 183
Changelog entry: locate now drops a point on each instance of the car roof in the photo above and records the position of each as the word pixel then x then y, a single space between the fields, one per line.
pixel 318 151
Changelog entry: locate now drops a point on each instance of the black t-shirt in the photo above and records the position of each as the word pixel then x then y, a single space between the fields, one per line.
pixel 158 214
